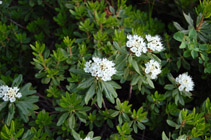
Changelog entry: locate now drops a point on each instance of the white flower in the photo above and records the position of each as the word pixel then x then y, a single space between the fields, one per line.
pixel 3 89
pixel 0 2
pixel 185 82
pixel 154 68
pixel 100 68
pixel 19 95
pixel 87 138
pixel 136 44
pixel 9 93
pixel 154 43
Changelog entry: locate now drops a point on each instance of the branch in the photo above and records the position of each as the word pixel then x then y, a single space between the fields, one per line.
pixel 104 104
pixel 130 92
pixel 17 23
pixel 200 23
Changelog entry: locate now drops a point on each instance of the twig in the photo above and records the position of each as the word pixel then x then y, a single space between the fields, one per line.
pixel 46 3
pixel 130 91
pixel 54 112
pixel 143 135
pixel 200 24
pixel 103 131
pixel 17 24
pixel 104 104
pixel 96 105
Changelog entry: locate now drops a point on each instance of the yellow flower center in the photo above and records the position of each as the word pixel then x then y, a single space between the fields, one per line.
pixel 11 93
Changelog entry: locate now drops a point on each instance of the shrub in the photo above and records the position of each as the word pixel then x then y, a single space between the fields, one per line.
pixel 104 70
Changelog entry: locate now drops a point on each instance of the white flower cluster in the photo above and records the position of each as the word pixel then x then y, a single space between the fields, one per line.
pixel 0 2
pixel 154 43
pixel 9 93
pixel 153 67
pixel 87 138
pixel 100 68
pixel 136 44
pixel 185 82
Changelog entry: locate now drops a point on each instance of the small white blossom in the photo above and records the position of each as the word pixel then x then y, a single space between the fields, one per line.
pixel 9 93
pixel 3 89
pixel 87 138
pixel 185 82
pixel 0 2
pixel 154 68
pixel 136 44
pixel 100 68
pixel 154 43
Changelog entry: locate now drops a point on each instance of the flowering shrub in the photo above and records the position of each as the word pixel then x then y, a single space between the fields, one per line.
pixel 110 70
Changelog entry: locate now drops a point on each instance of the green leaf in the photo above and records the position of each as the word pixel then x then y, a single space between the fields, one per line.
pixel 179 36
pixel 181 100
pixel 206 70
pixel 114 85
pixel 3 105
pixel 135 66
pixel 135 128
pixel 186 53
pixel 115 113
pixel 171 123
pixel 23 107
pixel 86 83
pixel 135 80
pixel 19 133
pixel 192 34
pixel 62 119
pixel 178 27
pixel 185 64
pixel 182 45
pixel 107 93
pixel 12 127
pixel 149 81
pixel 90 93
pixel 17 81
pixel 169 87
pixel 99 98
pixel 10 114
pixel 25 90
pixel 75 135
pixel 141 126
pixel 188 19
pixel 164 137
pixel 112 9
pixel 194 54
pixel 71 122
pixel 111 89
pixel 179 63
pixel 203 47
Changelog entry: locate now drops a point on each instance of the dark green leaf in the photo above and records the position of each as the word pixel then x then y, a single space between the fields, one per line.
pixel 10 114
pixel 17 81
pixel 135 66
pixel 169 87
pixel 90 93
pixel 86 83
pixel 3 105
pixel 99 98
pixel 62 118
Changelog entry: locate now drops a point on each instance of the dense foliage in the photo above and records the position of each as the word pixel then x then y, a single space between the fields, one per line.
pixel 105 69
